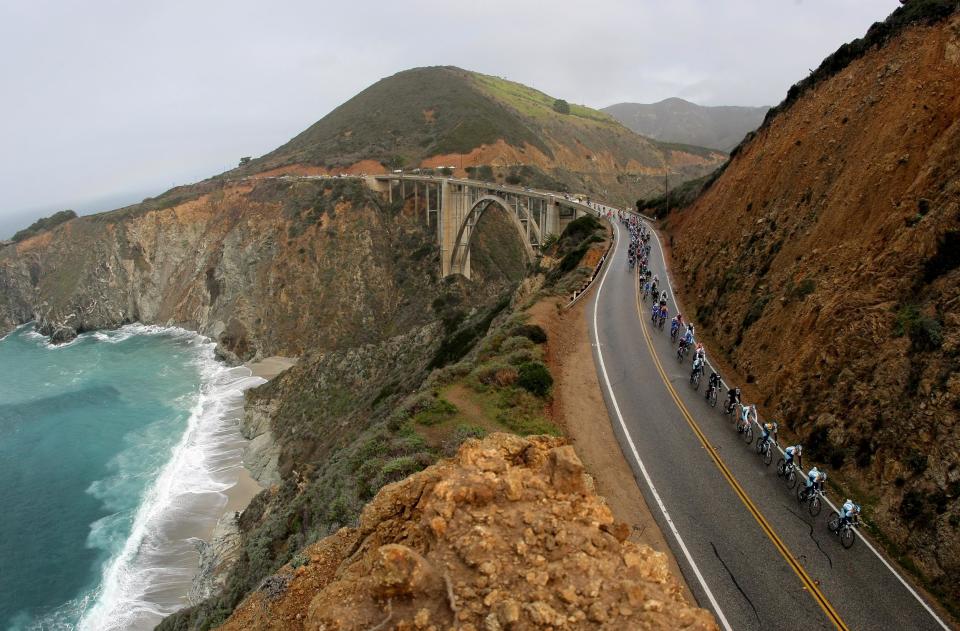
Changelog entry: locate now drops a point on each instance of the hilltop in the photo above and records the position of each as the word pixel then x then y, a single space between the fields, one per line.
pixel 485 127
pixel 678 121
pixel 824 262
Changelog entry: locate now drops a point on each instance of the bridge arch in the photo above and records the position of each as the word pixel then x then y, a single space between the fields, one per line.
pixel 520 216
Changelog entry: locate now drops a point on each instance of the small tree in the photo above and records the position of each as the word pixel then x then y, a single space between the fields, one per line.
pixel 561 106
pixel 244 161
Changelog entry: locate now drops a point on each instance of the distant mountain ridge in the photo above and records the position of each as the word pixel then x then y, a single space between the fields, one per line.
pixel 676 120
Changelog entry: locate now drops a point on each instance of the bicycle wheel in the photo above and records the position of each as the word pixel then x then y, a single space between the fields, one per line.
pixel 748 435
pixel 713 398
pixel 767 456
pixel 760 446
pixel 781 467
pixel 696 381
pixel 834 522
pixel 815 506
pixel 847 537
pixel 801 492
pixel 791 478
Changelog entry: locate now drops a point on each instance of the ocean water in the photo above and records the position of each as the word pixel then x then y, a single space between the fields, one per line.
pixel 115 453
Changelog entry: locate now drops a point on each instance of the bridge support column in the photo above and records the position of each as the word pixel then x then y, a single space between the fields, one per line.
pixel 454 207
pixel 552 219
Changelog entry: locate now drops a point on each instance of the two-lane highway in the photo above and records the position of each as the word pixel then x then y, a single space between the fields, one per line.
pixel 749 552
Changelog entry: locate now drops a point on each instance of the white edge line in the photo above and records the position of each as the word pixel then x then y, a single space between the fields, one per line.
pixel 782 453
pixel 636 455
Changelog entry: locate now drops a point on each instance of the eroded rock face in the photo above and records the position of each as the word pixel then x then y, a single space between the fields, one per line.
pixel 823 264
pixel 507 535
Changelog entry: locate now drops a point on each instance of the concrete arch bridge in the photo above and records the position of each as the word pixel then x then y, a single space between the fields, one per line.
pixel 454 206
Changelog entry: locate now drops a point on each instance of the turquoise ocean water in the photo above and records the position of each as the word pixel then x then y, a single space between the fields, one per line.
pixel 115 452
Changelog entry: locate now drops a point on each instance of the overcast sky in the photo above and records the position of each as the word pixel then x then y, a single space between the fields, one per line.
pixel 106 102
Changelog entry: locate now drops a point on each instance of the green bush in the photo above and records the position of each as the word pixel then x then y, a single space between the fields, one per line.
pixel 495 373
pixel 534 377
pixel 926 333
pixel 520 356
pixel 561 106
pixel 532 332
pixel 515 342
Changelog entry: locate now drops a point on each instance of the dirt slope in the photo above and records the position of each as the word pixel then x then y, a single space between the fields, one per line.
pixel 506 535
pixel 823 264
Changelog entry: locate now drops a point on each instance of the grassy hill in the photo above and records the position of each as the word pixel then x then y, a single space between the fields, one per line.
pixel 445 116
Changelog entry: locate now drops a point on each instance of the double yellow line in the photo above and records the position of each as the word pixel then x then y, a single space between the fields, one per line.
pixel 809 584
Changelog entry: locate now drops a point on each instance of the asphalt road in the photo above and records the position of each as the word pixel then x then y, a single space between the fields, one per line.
pixel 740 535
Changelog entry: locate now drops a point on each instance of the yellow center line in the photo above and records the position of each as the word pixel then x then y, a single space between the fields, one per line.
pixel 809 584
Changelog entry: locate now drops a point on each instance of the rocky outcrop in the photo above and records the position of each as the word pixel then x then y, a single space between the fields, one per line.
pixel 507 535
pixel 263 267
pixel 824 264
pixel 216 558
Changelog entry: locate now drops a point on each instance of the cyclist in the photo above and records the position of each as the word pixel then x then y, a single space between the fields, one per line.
pixel 697 366
pixel 663 313
pixel 815 480
pixel 655 312
pixel 675 324
pixel 793 452
pixel 713 384
pixel 700 353
pixel 663 297
pixel 688 336
pixel 849 512
pixel 733 398
pixel 769 428
pixel 745 412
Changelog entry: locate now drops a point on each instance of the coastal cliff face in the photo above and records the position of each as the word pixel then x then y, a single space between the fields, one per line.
pixel 824 265
pixel 508 534
pixel 262 266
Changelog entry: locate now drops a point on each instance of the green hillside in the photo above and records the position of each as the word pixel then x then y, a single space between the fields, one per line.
pixel 403 120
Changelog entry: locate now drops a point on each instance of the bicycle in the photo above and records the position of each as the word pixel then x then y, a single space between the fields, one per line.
pixel 746 429
pixel 789 475
pixel 681 351
pixel 695 377
pixel 845 532
pixel 765 450
pixel 812 498
pixel 674 332
pixel 711 395
pixel 663 319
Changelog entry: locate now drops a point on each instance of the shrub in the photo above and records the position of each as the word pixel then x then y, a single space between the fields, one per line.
pixel 532 332
pixel 926 333
pixel 917 461
pixel 399 468
pixel 516 342
pixel 521 356
pixel 754 312
pixel 459 435
pixel 448 374
pixel 496 373
pixel 438 412
pixel 561 106
pixel 534 377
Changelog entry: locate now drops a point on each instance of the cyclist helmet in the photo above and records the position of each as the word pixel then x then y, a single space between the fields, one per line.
pixel 799 449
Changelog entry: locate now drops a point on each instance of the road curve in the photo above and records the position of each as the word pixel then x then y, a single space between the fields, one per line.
pixel 737 563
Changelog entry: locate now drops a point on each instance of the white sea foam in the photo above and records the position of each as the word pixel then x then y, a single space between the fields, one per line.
pixel 148 577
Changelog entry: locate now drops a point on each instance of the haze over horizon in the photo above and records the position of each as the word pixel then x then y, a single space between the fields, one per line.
pixel 113 102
